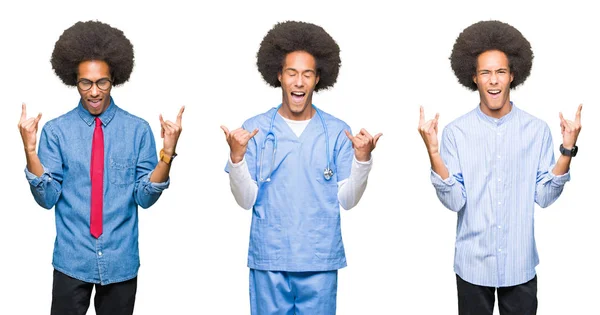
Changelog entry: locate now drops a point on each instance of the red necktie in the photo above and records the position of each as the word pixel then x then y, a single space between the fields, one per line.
pixel 97 177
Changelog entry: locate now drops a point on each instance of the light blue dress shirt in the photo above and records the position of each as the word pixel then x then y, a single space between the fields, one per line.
pixel 498 169
pixel 296 217
pixel 129 158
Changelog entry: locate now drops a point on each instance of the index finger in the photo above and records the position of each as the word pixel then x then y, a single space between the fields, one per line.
pixel 180 115
pixel 578 114
pixel 421 115
pixel 23 111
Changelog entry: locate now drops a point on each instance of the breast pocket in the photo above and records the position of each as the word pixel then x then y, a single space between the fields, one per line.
pixel 121 171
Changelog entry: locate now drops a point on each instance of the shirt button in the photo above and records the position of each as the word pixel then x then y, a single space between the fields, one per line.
pixel 499 249
pixel 99 253
pixel 499 202
pixel 499 180
pixel 498 156
pixel 499 226
pixel 499 133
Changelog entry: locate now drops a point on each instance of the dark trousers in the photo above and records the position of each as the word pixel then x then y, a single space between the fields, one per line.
pixel 72 297
pixel 479 300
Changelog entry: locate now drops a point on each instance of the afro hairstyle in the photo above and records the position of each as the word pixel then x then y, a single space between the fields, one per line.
pixel 92 40
pixel 490 35
pixel 290 36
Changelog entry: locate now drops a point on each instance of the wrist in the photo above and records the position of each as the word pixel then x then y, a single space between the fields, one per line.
pixel 236 158
pixel 363 157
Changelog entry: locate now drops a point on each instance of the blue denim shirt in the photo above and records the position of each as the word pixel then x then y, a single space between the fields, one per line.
pixel 129 158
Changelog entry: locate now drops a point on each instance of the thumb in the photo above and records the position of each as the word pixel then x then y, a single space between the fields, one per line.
pixel 376 138
pixel 253 133
pixel 225 130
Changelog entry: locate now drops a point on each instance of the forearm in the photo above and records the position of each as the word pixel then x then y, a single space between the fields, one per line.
pixel 34 165
pixel 243 188
pixel 550 187
pixel 351 190
pixel 161 172
pixel 438 166
pixel 562 165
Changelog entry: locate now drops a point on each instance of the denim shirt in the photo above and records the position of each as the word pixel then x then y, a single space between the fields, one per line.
pixel 129 159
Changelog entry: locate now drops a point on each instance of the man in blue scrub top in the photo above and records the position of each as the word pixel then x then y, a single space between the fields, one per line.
pixel 95 165
pixel 294 165
pixel 493 165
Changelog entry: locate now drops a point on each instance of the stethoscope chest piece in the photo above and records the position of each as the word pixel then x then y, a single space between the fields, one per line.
pixel 328 173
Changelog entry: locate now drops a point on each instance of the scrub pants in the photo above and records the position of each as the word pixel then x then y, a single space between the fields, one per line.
pixel 293 293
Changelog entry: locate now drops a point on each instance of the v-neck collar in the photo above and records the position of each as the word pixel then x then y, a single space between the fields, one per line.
pixel 288 130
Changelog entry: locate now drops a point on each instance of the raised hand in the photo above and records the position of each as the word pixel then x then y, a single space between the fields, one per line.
pixel 429 130
pixel 363 144
pixel 238 142
pixel 170 132
pixel 28 128
pixel 570 129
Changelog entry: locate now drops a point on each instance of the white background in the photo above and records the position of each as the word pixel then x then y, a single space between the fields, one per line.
pixel 399 239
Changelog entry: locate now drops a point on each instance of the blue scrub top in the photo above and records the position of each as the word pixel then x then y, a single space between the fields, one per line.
pixel 296 216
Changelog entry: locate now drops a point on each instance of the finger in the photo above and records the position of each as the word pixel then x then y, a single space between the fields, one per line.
pixel 37 119
pixel 376 138
pixel 160 117
pixel 421 115
pixel 578 114
pixel 253 134
pixel 23 111
pixel 180 115
pixel 364 132
pixel 437 116
pixel 225 130
pixel 349 135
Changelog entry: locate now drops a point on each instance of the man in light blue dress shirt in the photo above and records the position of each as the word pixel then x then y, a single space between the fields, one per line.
pixel 94 57
pixel 494 163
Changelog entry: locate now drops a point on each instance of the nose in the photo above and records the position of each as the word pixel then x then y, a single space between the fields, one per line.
pixel 494 78
pixel 299 81
pixel 94 90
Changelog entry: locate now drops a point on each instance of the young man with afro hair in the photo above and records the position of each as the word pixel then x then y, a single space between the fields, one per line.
pixel 294 165
pixel 95 165
pixel 493 164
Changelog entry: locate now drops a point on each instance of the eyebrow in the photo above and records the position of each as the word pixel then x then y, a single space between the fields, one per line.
pixel 499 69
pixel 308 70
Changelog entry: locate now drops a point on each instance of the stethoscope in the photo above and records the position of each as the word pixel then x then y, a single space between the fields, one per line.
pixel 327 173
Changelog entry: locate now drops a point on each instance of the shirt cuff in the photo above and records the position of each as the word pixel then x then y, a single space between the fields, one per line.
pixel 559 180
pixel 440 183
pixel 35 180
pixel 154 188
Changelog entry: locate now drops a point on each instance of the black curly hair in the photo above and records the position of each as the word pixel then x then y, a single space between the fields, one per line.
pixel 490 35
pixel 92 40
pixel 290 36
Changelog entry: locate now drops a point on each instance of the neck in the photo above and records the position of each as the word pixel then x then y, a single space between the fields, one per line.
pixel 496 113
pixel 306 114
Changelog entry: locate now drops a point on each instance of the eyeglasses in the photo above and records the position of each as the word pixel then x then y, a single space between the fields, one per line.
pixel 85 84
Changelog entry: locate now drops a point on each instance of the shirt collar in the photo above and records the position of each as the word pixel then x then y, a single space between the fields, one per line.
pixel 105 117
pixel 497 121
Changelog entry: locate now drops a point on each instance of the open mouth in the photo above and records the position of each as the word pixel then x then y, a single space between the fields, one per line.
pixel 494 93
pixel 297 97
pixel 95 103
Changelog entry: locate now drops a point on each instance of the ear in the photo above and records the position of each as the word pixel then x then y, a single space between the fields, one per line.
pixel 279 76
pixel 475 79
pixel 317 81
pixel 512 76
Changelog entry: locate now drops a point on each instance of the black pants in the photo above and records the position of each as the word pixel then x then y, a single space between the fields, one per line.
pixel 479 300
pixel 72 297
